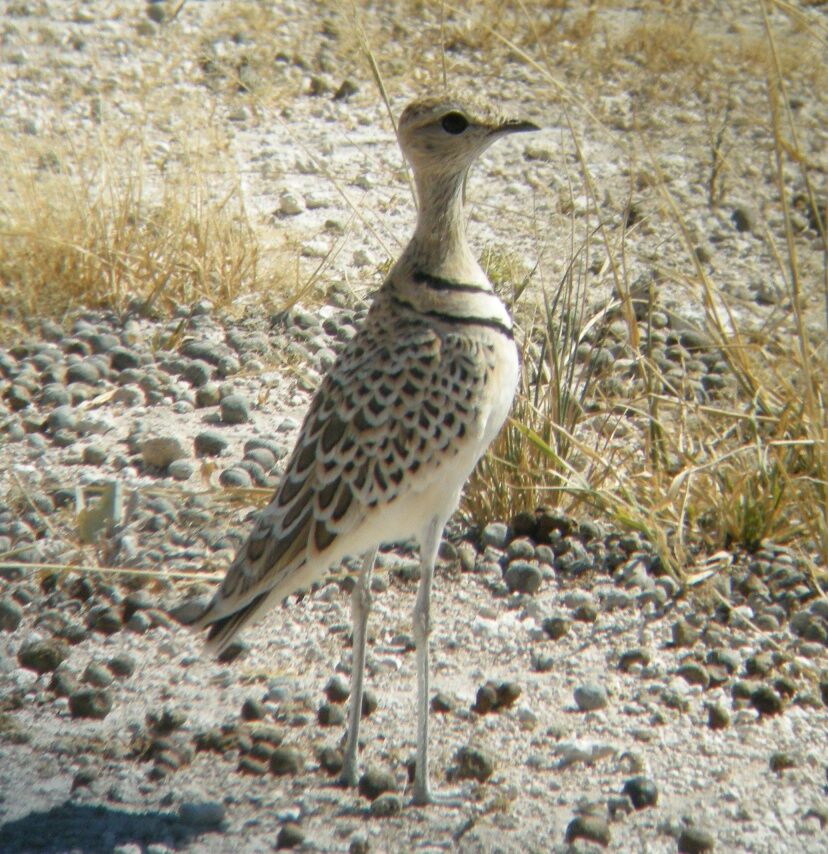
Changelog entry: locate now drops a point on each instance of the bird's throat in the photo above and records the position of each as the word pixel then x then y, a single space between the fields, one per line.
pixel 441 224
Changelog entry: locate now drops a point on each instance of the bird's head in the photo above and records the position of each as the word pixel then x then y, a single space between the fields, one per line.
pixel 443 135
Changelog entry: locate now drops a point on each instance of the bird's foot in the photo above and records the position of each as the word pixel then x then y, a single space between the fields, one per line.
pixel 349 775
pixel 423 796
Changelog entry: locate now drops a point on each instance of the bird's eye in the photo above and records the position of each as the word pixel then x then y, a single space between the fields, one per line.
pixel 454 123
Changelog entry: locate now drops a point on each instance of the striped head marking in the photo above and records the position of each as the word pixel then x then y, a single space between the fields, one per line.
pixel 444 134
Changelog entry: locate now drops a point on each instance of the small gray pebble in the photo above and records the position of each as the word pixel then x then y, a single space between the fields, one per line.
pixel 695 840
pixel 210 443
pixel 157 13
pixel 642 791
pixel 41 656
pixel 545 554
pixel 441 703
pixel 227 365
pixel 122 358
pixel 139 623
pixel 256 472
pixel 330 715
pixel 181 469
pixel 160 451
pixel 83 372
pixel 208 395
pixel 130 395
pixel 386 805
pixel 198 373
pixel 359 845
pixel 18 397
pixel 325 358
pixel 591 827
pixel 189 610
pixel 234 409
pixel 62 418
pixel 347 89
pixel 10 615
pixel 51 330
pixel 520 548
pixel 473 763
pixel 727 658
pixel 285 760
pixel 337 689
pixel 447 550
pixel 14 433
pixel 543 663
pixel 577 598
pixel 262 456
pixel 63 683
pixel 694 674
pixel 743 218
pixel 94 455
pixel 55 394
pixel 495 534
pixel 122 665
pixel 617 600
pixel 590 697
pixel 375 782
pixel 631 657
pixel 63 438
pixel 587 613
pixel 523 577
pixel 93 703
pixel 236 477
pixel 759 664
pixel 683 634
pixel 718 717
pixel 84 777
pixel 766 701
pixel 290 205
pixel 252 710
pixel 104 619
pixel 290 835
pixel 556 627
pixel 601 359
pixel 205 814
pixel 618 807
pixel 97 675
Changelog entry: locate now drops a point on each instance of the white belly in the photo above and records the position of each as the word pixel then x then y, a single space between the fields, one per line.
pixel 504 385
pixel 434 495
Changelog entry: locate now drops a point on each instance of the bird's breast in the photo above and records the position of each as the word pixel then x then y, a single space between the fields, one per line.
pixel 502 385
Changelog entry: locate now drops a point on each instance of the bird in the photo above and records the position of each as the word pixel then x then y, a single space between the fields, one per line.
pixel 400 420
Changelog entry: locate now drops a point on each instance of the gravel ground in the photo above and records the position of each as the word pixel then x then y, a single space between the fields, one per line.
pixel 570 669
pixel 581 700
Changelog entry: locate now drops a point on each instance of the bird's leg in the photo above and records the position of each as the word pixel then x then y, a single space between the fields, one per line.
pixel 360 607
pixel 422 630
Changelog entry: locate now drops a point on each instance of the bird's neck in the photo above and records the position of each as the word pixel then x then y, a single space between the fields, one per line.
pixel 440 238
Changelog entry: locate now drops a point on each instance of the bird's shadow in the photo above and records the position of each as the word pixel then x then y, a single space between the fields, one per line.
pixel 92 828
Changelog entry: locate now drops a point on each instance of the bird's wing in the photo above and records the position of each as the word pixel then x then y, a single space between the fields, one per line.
pixel 400 400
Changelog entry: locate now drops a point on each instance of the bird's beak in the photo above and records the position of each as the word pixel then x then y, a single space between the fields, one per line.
pixel 515 126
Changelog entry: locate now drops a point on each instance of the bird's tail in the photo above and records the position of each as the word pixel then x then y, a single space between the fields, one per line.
pixel 222 626
pixel 221 632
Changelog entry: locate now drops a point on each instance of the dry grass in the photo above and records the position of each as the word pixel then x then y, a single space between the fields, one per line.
pixel 84 226
pixel 106 226
pixel 695 475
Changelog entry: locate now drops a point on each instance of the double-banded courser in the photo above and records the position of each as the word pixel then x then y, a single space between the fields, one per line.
pixel 399 421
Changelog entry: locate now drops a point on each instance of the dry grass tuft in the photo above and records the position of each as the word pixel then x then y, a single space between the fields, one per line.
pixel 695 474
pixel 667 44
pixel 107 226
